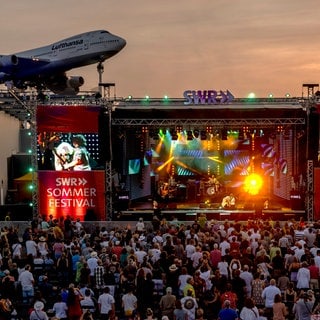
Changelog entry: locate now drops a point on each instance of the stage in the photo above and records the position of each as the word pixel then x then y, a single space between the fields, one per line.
pixel 190 210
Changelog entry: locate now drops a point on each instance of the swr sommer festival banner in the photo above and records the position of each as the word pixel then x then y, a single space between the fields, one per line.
pixel 72 193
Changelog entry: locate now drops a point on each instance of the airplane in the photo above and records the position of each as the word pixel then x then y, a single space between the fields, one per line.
pixel 46 67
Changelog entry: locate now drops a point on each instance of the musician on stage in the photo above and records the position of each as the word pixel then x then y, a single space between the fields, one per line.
pixel 215 183
pixel 229 202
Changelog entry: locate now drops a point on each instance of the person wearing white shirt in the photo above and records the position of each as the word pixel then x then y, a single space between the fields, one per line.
pixel 155 252
pixel 223 267
pixel 140 254
pixel 223 246
pixel 190 248
pixel 317 259
pixel 92 262
pixel 27 283
pixel 196 257
pixel 249 311
pixel 106 304
pixel 158 238
pixel 299 252
pixel 31 247
pixel 269 293
pixel 303 276
pixel 140 227
pixel 247 276
pixel 16 249
pixel 60 308
pixel 129 303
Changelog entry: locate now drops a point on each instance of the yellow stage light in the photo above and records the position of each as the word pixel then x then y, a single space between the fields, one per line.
pixel 252 184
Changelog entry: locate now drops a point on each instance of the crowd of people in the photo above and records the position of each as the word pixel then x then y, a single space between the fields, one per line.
pixel 169 270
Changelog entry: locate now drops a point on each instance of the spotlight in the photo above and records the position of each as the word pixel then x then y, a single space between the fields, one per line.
pixel 189 135
pixel 196 133
pixel 209 129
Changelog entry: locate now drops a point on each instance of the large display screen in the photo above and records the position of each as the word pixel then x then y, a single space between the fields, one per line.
pixel 196 157
pixel 68 151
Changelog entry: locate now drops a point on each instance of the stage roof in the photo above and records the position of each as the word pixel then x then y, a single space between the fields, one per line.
pixel 260 113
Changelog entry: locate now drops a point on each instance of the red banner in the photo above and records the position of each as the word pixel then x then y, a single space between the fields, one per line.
pixel 73 193
pixel 68 118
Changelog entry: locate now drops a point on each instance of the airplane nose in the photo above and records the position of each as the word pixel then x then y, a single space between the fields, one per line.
pixel 122 43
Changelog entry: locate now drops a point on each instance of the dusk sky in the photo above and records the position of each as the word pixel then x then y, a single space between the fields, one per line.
pixel 270 46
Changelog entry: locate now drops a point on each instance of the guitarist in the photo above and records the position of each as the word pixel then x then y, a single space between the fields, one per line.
pixel 63 155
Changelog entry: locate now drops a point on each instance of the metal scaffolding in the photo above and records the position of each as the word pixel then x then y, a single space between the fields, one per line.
pixel 310 191
pixel 30 107
pixel 217 123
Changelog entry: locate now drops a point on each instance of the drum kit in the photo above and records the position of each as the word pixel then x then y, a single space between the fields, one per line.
pixel 211 191
pixel 213 186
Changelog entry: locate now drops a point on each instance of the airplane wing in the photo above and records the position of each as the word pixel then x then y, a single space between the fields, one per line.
pixel 14 67
pixel 23 72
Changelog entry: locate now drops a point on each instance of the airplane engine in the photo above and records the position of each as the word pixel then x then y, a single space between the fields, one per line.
pixel 8 61
pixel 65 85
pixel 75 82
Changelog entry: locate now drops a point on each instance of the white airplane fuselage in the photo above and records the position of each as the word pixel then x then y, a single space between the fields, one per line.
pixel 52 61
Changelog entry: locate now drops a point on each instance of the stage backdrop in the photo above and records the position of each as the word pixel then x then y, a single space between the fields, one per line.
pixel 68 118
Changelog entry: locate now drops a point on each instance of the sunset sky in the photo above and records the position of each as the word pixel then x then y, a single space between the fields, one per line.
pixel 244 46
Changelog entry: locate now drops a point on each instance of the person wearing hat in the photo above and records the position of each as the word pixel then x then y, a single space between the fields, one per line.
pixel 38 312
pixel 92 264
pixel 172 278
pixel 190 305
pixel 43 246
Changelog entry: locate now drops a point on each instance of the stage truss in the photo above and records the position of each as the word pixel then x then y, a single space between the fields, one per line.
pixel 135 115
pixel 216 123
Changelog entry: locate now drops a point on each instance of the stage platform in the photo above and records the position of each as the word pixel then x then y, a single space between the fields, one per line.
pixel 189 211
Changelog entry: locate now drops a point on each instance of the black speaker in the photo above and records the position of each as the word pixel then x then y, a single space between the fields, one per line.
pixel 17 165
